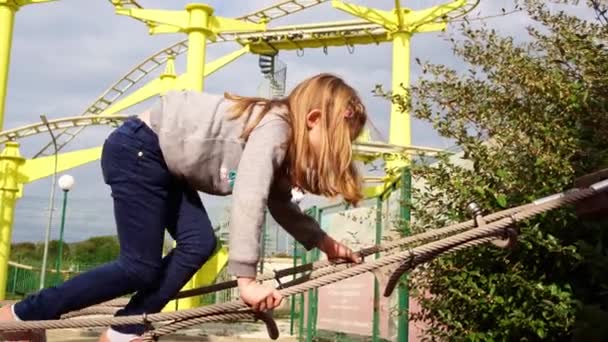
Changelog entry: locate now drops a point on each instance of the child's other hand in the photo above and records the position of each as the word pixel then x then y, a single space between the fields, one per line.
pixel 259 297
pixel 336 250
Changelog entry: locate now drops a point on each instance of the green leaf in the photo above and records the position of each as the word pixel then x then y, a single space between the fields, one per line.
pixel 501 200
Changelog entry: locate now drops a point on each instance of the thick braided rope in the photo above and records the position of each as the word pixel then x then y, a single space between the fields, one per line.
pixel 207 310
pixel 465 237
pixel 173 327
pixel 94 310
pixel 550 203
pixel 418 259
pixel 429 235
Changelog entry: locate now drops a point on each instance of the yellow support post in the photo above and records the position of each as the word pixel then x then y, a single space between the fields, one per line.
pixel 205 276
pixel 35 169
pixel 10 162
pixel 8 8
pixel 197 43
pixel 7 18
pixel 400 124
pixel 169 78
pixel 402 23
pixel 199 23
pixel 15 171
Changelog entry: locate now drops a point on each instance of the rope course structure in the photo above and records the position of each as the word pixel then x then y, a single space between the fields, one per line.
pixel 251 33
pixel 401 255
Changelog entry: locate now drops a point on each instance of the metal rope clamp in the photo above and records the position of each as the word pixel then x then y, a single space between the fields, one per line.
pixel 509 237
pixel 149 326
pixel 278 279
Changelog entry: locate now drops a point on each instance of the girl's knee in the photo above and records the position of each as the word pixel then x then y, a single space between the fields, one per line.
pixel 143 275
pixel 199 250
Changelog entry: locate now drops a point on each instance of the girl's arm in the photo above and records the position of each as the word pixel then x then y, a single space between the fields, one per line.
pixel 263 154
pixel 302 227
pixel 288 215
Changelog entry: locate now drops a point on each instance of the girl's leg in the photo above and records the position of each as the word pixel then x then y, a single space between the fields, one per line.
pixel 196 242
pixel 139 182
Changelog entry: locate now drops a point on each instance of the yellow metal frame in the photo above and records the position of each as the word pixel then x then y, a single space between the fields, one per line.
pixel 402 24
pixel 8 8
pixel 199 23
pixel 205 276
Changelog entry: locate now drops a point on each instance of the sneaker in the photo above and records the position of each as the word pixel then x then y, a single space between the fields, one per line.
pixel 112 335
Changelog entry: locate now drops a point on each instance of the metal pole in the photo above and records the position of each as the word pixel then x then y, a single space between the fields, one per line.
pixel 403 290
pixel 197 44
pixel 7 19
pixel 51 203
pixel 60 253
pixel 10 161
pixel 376 317
pixel 293 298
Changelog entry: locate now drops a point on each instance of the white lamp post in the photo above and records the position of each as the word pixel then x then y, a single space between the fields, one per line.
pixel 65 182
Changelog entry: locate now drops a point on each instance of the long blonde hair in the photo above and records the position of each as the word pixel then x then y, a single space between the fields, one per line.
pixel 343 117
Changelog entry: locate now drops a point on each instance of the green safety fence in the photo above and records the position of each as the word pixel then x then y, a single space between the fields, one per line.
pixel 24 280
pixel 304 307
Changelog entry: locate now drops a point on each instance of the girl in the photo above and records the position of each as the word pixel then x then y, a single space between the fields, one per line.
pixel 255 149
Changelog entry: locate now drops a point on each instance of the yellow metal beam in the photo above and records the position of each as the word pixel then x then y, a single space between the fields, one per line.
pixel 385 18
pixel 402 24
pixel 219 63
pixel 219 24
pixel 399 13
pixel 262 47
pixel 151 89
pixel 35 169
pixel 200 24
pixel 373 191
pixel 434 13
pixel 8 8
pixel 168 80
pixel 203 277
pixel 175 19
pixel 430 27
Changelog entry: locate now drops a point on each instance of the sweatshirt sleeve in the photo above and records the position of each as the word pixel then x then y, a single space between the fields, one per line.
pixel 288 215
pixel 264 153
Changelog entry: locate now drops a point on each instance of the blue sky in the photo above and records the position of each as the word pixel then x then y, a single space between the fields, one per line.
pixel 66 53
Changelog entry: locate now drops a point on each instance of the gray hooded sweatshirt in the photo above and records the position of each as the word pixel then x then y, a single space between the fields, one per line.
pixel 203 146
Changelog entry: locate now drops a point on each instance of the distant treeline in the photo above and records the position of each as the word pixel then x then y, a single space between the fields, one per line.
pixel 94 251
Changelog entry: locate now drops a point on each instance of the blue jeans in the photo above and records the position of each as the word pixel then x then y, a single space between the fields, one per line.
pixel 147 199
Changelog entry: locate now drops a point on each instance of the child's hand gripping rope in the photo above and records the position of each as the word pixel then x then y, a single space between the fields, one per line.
pixel 262 297
pixel 336 251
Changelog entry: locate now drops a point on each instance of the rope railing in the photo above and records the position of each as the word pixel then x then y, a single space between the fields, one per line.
pixel 448 239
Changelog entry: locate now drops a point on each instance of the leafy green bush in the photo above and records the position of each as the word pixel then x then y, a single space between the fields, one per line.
pixel 530 117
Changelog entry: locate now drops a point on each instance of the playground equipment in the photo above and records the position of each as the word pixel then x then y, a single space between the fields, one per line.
pixel 401 255
pixel 252 33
